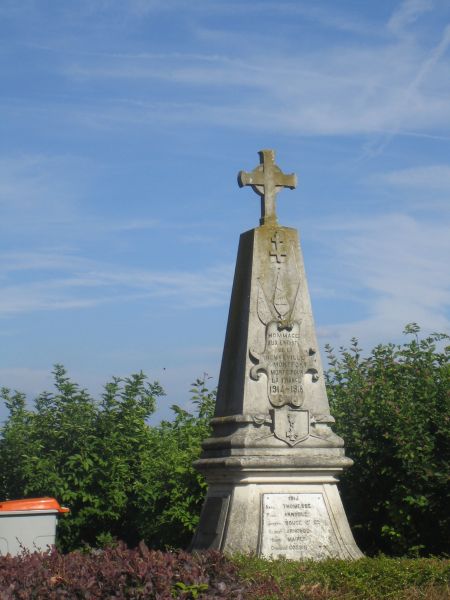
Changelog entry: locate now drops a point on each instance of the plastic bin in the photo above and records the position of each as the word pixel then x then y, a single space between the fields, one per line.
pixel 28 524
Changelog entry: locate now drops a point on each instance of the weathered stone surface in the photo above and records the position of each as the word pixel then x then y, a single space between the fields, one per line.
pixel 271 356
pixel 272 435
pixel 266 180
pixel 297 525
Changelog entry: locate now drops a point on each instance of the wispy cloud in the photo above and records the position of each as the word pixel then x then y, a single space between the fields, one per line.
pixel 63 282
pixel 398 266
pixel 432 177
pixel 192 69
pixel 327 17
pixel 50 260
pixel 409 99
pixel 45 192
pixel 387 85
pixel 36 187
pixel 395 81
pixel 340 89
pixel 407 13
pixel 125 224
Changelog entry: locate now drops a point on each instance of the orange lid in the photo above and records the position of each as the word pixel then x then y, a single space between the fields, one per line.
pixel 33 504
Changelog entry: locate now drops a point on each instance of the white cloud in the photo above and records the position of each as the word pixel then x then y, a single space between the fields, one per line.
pixel 432 177
pixel 407 13
pixel 140 9
pixel 130 224
pixel 35 188
pixel 46 193
pixel 52 259
pixel 412 96
pixel 67 282
pixel 326 17
pixel 398 266
pixel 382 86
pixel 339 89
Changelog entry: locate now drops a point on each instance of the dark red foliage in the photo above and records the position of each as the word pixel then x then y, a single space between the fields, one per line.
pixel 119 573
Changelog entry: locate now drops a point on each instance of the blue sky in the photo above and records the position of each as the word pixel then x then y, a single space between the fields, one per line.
pixel 123 126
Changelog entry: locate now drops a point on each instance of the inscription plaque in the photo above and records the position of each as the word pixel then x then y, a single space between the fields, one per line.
pixel 297 526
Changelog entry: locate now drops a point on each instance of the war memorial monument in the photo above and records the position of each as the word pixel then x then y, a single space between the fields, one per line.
pixel 272 462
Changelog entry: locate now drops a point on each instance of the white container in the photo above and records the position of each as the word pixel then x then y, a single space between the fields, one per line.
pixel 28 524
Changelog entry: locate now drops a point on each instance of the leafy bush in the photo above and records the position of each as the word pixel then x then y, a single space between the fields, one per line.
pixel 392 409
pixel 119 573
pixel 87 454
pixel 120 477
pixel 171 491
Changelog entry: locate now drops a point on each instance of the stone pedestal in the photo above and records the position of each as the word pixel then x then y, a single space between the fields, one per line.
pixel 275 512
pixel 273 461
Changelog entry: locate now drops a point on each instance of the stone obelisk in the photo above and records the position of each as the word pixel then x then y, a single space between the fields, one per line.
pixel 273 461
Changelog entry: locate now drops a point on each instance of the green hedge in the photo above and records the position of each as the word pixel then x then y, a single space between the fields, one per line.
pixel 121 478
pixel 392 407
pixel 378 578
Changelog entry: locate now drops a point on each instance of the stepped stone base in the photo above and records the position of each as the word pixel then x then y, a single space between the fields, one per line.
pixel 293 513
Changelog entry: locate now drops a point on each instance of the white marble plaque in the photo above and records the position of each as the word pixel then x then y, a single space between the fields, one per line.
pixel 297 526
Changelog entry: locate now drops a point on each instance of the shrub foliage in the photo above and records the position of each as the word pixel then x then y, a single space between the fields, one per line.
pixel 171 491
pixel 124 479
pixel 120 477
pixel 392 408
pixel 120 573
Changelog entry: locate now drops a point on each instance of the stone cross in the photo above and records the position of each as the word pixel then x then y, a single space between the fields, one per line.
pixel 267 180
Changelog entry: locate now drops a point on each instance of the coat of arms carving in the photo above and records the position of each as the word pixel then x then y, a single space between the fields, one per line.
pixel 290 425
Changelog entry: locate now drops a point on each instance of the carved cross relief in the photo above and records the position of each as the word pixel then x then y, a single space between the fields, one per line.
pixel 278 251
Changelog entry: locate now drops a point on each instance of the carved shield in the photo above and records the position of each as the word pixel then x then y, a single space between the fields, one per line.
pixel 290 425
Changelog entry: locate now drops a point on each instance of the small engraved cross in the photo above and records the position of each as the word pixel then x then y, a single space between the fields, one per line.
pixel 278 252
pixel 267 180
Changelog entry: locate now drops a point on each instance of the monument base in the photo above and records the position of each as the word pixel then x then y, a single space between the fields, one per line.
pixel 291 513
